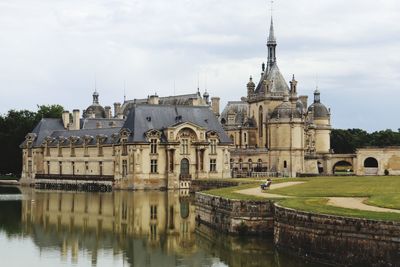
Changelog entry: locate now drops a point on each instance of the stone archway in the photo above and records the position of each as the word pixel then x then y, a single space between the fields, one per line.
pixel 343 167
pixel 371 166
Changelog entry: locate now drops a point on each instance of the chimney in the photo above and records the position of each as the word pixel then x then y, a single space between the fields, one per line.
pixel 153 100
pixel 65 118
pixel 117 109
pixel 304 100
pixel 215 105
pixel 108 112
pixel 76 120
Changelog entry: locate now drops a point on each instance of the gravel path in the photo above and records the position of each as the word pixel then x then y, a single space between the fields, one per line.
pixel 356 203
pixel 259 193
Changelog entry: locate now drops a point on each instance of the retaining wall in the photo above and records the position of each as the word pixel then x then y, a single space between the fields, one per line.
pixel 235 216
pixel 337 240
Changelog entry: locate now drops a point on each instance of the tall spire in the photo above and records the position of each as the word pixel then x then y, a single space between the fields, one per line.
pixel 271 44
pixel 271 37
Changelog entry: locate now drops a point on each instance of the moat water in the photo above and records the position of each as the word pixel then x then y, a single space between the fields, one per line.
pixel 148 228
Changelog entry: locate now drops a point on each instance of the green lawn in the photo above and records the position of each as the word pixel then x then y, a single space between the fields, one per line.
pixel 381 191
pixel 319 205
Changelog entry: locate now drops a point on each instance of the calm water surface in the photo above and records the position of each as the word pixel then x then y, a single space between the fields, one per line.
pixel 51 228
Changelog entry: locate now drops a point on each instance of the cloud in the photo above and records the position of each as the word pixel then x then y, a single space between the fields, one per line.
pixel 52 51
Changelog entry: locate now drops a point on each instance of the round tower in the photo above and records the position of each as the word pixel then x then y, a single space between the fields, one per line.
pixel 286 142
pixel 321 118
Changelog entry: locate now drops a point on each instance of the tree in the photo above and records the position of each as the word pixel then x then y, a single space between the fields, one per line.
pixel 13 128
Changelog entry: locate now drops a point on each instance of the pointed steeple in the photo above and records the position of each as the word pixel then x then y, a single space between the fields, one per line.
pixel 271 36
pixel 271 44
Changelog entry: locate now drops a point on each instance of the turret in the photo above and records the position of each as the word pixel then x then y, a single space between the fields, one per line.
pixel 250 88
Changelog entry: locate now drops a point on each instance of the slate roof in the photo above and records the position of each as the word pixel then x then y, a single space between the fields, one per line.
pixel 238 108
pixel 143 118
pixel 279 84
pixel 104 123
pixel 180 100
pixel 44 128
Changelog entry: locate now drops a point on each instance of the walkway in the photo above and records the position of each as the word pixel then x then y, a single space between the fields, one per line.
pixel 259 193
pixel 356 203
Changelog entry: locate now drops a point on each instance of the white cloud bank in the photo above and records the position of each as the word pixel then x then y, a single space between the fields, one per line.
pixel 52 50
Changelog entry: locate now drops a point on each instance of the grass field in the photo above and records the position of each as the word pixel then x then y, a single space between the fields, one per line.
pixel 381 191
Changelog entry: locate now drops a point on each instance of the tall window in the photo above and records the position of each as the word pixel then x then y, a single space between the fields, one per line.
pixel 213 146
pixel 171 161
pixel 245 138
pixel 73 168
pixel 124 148
pixel 153 146
pixel 285 164
pixel 48 167
pixel 100 150
pixel 124 168
pixel 153 166
pixel 30 167
pixel 100 168
pixel 60 167
pixel 260 121
pixel 213 165
pixel 201 160
pixel 153 212
pixel 185 146
pixel 47 150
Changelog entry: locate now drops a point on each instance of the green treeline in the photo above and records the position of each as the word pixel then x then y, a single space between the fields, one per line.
pixel 347 141
pixel 14 126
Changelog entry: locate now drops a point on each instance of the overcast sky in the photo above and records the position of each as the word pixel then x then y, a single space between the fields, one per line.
pixel 52 51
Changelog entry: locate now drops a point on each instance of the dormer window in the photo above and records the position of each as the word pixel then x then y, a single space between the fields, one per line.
pixel 185 146
pixel 153 146
pixel 124 148
pixel 213 146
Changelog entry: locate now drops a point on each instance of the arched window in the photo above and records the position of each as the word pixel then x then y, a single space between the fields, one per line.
pixel 260 121
pixel 370 163
pixel 284 164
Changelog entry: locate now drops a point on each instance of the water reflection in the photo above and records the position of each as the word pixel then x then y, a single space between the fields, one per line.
pixel 147 228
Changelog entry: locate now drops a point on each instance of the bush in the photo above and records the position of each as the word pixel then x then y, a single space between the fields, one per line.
pixel 386 172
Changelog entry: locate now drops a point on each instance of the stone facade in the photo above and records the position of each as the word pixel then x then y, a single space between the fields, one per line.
pixel 154 146
pixel 273 128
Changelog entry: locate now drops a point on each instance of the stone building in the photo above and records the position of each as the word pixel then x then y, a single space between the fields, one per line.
pixel 273 128
pixel 151 145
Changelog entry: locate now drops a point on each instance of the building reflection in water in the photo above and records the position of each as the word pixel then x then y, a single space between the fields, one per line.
pixel 148 228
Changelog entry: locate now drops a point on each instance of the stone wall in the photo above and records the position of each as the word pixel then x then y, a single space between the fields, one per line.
pixel 203 185
pixel 337 240
pixel 235 216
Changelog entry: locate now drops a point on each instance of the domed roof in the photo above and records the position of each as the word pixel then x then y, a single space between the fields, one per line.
pixel 285 110
pixel 319 109
pixel 95 108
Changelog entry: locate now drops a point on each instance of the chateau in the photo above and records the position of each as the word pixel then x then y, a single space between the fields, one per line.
pixel 273 128
pixel 167 142
pixel 145 144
